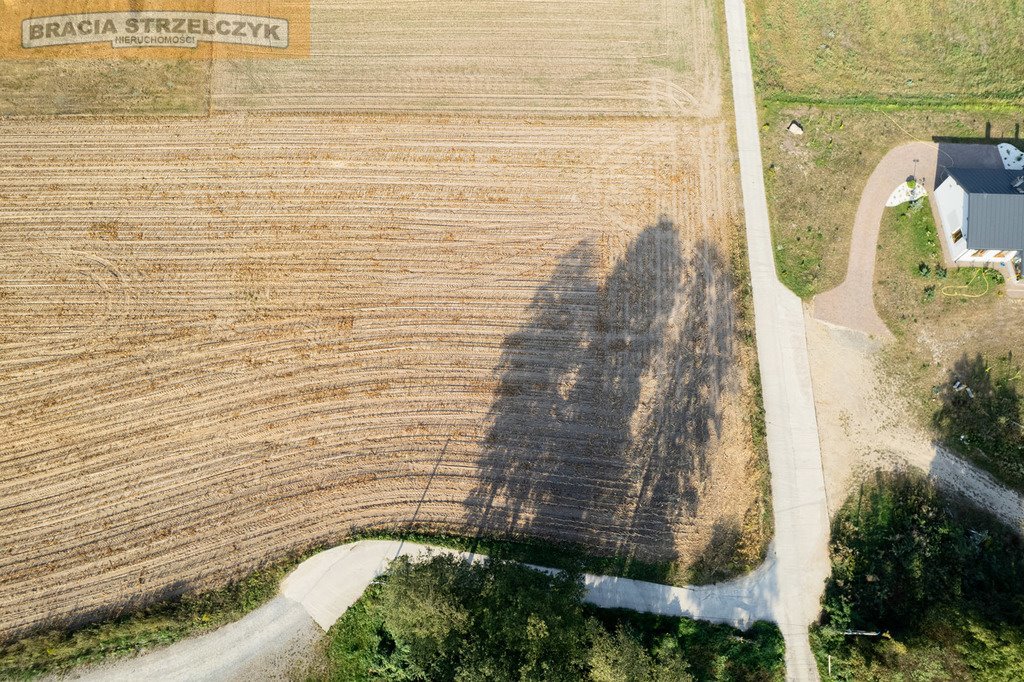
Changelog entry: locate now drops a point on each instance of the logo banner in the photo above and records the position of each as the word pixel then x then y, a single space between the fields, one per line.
pixel 160 29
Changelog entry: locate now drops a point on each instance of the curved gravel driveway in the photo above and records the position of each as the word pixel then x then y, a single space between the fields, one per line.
pixel 852 303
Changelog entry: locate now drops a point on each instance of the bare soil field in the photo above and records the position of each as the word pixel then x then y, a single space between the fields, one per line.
pixel 224 338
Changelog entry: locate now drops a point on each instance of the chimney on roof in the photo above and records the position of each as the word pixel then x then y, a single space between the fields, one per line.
pixel 1018 184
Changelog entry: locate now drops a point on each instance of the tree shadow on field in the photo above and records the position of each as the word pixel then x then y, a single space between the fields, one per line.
pixel 610 400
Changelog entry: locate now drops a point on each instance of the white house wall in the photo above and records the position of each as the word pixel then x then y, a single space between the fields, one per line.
pixel 951 202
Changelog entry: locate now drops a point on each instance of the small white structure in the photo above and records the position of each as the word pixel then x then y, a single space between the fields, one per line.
pixel 795 128
pixel 1013 158
pixel 982 215
pixel 905 193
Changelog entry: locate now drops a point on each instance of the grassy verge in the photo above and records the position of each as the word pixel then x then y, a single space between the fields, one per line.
pixel 743 556
pixel 161 624
pixel 758 527
pixel 444 619
pixel 941 583
pixel 565 556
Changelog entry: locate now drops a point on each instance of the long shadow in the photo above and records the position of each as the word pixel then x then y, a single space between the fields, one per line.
pixel 610 400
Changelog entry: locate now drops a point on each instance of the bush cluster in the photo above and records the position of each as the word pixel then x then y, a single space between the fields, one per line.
pixel 942 585
pixel 446 619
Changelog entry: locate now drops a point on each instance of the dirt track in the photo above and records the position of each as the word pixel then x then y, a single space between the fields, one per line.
pixel 225 338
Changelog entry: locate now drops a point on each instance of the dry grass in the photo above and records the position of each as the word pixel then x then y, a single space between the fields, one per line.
pixel 547 57
pixel 108 87
pixel 880 51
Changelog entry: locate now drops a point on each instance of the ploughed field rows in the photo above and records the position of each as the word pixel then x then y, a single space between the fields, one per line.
pixel 645 57
pixel 224 338
pixel 625 57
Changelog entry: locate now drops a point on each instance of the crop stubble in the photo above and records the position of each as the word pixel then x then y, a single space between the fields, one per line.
pixel 225 337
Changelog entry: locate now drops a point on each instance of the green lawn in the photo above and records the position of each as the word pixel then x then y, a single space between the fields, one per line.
pixel 913 288
pixel 445 620
pixel 942 583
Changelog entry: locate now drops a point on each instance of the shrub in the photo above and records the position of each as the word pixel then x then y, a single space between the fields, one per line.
pixel 980 415
pixel 444 619
pixel 943 583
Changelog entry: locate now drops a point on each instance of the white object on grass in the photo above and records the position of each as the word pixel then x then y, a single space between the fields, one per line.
pixel 905 193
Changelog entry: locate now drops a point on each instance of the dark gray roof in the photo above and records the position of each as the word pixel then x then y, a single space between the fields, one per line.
pixel 995 209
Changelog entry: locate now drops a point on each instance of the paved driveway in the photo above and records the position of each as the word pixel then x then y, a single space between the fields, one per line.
pixel 852 303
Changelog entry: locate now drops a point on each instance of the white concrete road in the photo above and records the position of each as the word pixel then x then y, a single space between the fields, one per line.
pixel 269 641
pixel 798 485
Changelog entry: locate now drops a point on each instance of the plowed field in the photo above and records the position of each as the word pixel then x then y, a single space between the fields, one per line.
pixel 226 337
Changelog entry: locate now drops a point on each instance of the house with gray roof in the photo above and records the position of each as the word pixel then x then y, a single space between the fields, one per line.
pixel 982 215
